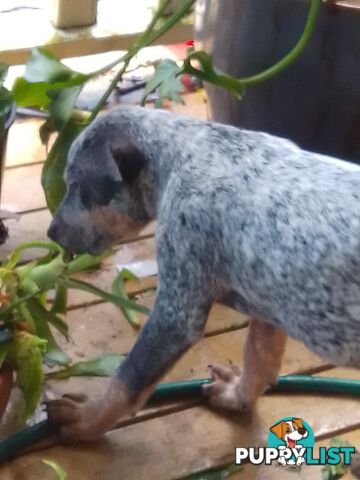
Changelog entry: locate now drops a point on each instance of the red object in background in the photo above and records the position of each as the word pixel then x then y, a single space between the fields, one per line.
pixel 180 49
pixel 187 81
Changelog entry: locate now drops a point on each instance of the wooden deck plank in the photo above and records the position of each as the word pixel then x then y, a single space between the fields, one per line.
pixel 24 146
pixel 25 179
pixel 28 227
pixel 118 336
pixel 172 446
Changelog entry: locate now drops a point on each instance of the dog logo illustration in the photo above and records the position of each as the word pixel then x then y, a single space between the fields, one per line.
pixel 291 436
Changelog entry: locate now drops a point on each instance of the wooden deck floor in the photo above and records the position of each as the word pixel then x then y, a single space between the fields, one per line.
pixel 171 441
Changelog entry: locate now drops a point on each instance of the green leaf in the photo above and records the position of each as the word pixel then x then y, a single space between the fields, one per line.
pixel 215 473
pixel 109 297
pixel 41 94
pixel 26 356
pixel 46 130
pixel 118 288
pixel 5 311
pixel 46 274
pixel 54 355
pixel 56 321
pixel 43 66
pixel 62 105
pixel 103 366
pixel 48 83
pixel 52 177
pixel 60 301
pixel 125 274
pixel 86 261
pixel 60 473
pixel 29 94
pixel 209 73
pixel 166 81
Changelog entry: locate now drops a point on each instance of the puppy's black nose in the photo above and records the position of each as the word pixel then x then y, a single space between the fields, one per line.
pixel 302 431
pixel 55 230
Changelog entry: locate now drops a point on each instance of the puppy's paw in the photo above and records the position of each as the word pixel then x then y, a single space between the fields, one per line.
pixel 225 391
pixel 76 417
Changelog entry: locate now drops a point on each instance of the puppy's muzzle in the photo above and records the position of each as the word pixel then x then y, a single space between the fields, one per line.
pixel 56 230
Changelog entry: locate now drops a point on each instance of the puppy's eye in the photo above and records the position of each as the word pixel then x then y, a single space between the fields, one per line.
pixel 86 198
pixel 106 190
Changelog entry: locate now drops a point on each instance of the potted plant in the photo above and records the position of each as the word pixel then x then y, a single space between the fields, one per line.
pixel 316 100
pixel 28 309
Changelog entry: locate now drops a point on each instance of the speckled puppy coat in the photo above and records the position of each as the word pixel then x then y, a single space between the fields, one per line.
pixel 244 218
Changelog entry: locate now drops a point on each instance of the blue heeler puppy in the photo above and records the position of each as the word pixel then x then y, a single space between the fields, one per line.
pixel 245 219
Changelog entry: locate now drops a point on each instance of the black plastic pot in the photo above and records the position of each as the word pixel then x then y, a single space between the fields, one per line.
pixel 3 141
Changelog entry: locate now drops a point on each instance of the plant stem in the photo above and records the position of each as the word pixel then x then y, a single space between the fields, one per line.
pixel 54 247
pixel 145 39
pixel 293 54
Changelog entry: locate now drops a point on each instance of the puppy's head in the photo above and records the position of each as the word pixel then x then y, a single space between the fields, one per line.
pixel 104 201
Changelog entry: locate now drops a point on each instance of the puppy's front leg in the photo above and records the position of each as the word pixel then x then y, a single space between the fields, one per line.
pixel 236 390
pixel 175 323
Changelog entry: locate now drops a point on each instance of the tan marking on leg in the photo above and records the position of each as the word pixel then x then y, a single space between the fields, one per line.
pixel 264 349
pixel 235 390
pixel 80 418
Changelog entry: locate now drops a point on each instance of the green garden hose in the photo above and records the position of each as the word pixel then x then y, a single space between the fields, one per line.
pixel 12 446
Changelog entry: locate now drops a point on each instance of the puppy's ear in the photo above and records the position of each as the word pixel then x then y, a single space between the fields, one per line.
pixel 277 429
pixel 129 161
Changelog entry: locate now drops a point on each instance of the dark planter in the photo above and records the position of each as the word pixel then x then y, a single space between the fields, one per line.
pixel 3 140
pixel 316 101
pixel 6 384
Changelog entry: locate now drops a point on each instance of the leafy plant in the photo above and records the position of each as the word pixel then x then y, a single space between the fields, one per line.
pixel 335 472
pixel 26 337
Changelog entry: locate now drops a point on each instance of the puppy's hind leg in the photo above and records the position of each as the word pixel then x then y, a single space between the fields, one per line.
pixel 235 390
pixel 175 323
